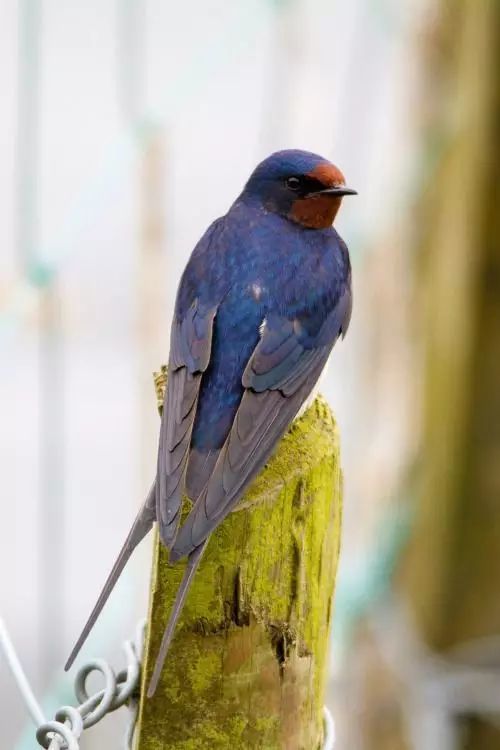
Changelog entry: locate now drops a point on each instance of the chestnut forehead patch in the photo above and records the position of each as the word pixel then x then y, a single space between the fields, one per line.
pixel 328 174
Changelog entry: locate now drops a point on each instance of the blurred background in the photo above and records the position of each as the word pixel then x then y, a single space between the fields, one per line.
pixel 126 126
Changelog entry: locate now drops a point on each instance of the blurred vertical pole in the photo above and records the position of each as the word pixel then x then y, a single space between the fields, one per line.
pixel 131 61
pixel 50 396
pixel 449 576
pixel 453 567
pixel 27 162
pixel 152 338
pixel 52 517
pixel 285 59
pixel 152 331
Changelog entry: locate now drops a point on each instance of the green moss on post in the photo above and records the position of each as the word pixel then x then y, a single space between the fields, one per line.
pixel 247 665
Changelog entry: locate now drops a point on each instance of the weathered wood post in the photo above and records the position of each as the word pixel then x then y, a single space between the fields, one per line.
pixel 248 663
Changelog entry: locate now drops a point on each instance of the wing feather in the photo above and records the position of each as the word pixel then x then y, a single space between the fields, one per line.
pixel 190 348
pixel 279 376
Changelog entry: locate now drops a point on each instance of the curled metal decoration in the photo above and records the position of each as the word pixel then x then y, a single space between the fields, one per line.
pixel 57 734
pixel 65 730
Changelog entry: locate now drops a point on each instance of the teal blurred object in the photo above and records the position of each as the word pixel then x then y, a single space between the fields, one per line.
pixel 363 586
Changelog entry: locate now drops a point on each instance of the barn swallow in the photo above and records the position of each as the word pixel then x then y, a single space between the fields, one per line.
pixel 264 297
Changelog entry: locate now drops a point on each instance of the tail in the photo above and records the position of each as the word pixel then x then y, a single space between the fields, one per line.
pixel 193 562
pixel 141 526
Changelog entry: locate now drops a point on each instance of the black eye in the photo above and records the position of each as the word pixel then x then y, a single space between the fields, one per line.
pixel 293 183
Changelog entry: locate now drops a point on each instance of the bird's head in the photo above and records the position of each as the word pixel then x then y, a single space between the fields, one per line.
pixel 303 187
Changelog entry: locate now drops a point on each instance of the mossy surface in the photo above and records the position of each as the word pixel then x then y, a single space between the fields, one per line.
pixel 247 665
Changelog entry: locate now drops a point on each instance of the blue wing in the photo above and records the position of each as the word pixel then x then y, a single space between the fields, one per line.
pixel 200 291
pixel 278 378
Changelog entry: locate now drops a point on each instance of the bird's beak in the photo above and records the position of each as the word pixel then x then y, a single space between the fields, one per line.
pixel 339 191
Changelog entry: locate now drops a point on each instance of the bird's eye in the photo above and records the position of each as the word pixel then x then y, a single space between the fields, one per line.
pixel 293 183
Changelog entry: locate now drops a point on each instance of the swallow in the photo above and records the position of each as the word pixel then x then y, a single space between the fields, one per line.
pixel 263 299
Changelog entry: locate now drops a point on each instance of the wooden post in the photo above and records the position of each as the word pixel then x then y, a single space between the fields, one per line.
pixel 248 664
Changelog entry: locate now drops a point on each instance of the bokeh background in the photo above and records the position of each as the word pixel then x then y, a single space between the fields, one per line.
pixel 126 126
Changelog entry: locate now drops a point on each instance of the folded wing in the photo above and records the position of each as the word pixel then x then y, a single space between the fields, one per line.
pixel 279 376
pixel 190 347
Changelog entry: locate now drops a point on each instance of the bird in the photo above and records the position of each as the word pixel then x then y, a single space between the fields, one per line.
pixel 263 299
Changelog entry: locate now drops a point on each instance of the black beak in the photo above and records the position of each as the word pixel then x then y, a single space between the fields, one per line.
pixel 339 191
